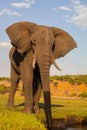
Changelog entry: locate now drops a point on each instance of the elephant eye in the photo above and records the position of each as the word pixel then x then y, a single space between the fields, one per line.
pixel 34 41
pixel 53 47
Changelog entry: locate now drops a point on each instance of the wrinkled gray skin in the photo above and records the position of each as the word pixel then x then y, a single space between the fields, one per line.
pixel 48 44
pixel 21 68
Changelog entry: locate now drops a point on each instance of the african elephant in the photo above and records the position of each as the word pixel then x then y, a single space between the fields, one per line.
pixel 20 69
pixel 48 43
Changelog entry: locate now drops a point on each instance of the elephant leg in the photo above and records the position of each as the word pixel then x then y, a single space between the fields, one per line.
pixel 37 94
pixel 36 88
pixel 14 85
pixel 28 94
pixel 27 78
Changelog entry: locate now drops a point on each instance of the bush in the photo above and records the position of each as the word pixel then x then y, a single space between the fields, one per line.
pixel 4 89
pixel 55 84
pixel 73 94
pixel 5 78
pixel 83 94
pixel 73 79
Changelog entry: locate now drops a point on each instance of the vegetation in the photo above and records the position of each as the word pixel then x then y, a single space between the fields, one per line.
pixel 83 94
pixel 66 110
pixel 55 84
pixel 60 86
pixel 69 86
pixel 4 89
pixel 73 79
pixel 4 78
pixel 17 119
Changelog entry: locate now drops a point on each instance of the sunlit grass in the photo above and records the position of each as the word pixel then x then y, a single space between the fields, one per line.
pixel 14 120
pixel 69 107
pixel 18 120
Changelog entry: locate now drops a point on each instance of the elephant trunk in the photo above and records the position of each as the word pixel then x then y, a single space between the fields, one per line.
pixel 48 108
pixel 44 61
pixel 44 72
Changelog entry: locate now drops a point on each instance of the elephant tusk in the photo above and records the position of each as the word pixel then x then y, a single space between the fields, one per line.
pixel 54 63
pixel 34 60
pixel 33 64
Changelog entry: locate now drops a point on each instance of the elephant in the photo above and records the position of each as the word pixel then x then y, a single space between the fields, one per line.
pixel 48 43
pixel 18 64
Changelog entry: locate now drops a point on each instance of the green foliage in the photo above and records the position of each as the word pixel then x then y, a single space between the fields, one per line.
pixel 52 78
pixel 55 84
pixel 83 94
pixel 73 79
pixel 4 89
pixel 73 94
pixel 4 78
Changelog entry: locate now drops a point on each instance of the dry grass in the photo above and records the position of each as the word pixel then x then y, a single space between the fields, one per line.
pixel 65 89
pixel 58 88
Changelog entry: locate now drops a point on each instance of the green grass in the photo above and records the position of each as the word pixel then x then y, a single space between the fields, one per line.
pixel 69 107
pixel 14 120
pixel 18 120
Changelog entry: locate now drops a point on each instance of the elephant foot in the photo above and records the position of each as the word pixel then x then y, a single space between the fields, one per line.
pixel 36 109
pixel 54 128
pixel 28 110
pixel 50 127
pixel 10 106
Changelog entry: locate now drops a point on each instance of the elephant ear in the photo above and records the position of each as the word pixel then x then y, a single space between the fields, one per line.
pixel 19 34
pixel 63 43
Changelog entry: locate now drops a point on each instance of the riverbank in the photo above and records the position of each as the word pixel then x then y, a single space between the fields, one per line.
pixel 69 105
pixel 65 112
pixel 69 121
pixel 69 111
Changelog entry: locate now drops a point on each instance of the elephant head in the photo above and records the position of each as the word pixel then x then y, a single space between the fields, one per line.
pixel 48 43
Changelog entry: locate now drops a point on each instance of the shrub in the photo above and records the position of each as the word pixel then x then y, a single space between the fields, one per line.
pixel 73 79
pixel 4 89
pixel 73 94
pixel 55 84
pixel 5 78
pixel 83 94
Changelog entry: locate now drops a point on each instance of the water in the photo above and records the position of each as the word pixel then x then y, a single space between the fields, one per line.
pixel 77 128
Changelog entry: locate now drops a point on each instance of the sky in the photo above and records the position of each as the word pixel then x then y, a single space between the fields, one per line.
pixel 69 15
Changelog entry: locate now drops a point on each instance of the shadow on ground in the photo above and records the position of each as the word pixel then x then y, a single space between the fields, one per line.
pixel 58 124
pixel 41 105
